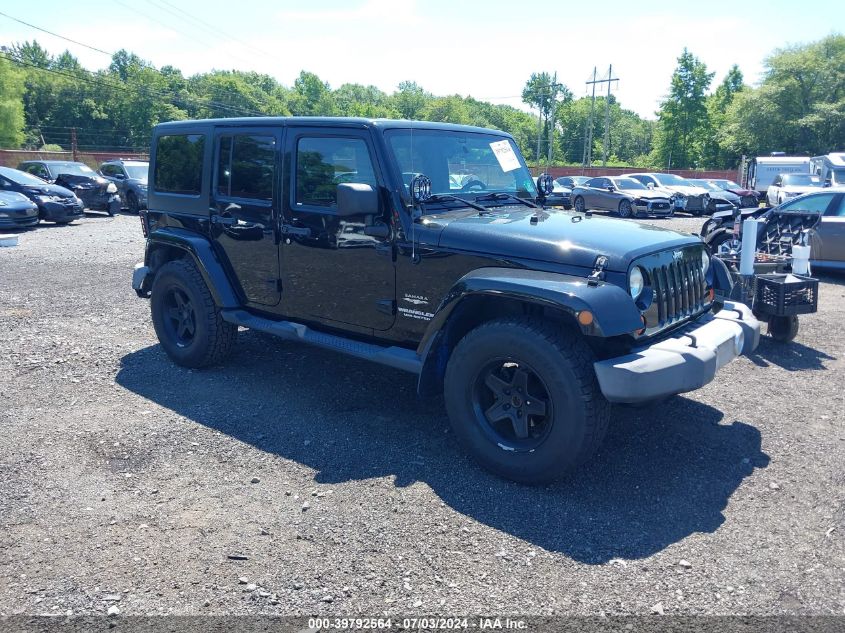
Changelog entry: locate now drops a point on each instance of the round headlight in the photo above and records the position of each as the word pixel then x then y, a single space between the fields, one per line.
pixel 111 188
pixel 636 282
pixel 705 262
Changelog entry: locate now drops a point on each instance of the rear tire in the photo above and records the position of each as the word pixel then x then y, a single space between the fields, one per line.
pixel 502 375
pixel 187 322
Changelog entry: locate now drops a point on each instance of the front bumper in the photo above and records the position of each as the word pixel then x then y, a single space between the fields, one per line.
pixel 141 280
pixel 18 219
pixel 59 211
pixel 686 361
pixel 658 208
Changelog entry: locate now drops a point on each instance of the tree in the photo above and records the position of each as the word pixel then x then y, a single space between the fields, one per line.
pixel 713 149
pixel 682 117
pixel 410 100
pixel 799 106
pixel 11 105
pixel 311 96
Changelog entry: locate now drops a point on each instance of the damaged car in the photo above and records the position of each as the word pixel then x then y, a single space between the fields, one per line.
pixel 55 203
pixel 96 193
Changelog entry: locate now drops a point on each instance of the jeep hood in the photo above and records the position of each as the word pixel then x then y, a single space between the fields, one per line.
pixel 560 237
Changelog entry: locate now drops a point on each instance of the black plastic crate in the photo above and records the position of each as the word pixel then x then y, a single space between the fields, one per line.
pixel 785 294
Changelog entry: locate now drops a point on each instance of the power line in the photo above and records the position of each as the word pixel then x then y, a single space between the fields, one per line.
pixel 38 28
pixel 99 50
pixel 123 88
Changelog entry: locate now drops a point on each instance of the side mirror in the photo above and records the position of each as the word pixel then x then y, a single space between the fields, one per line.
pixel 356 199
pixel 650 185
pixel 611 188
pixel 828 183
pixel 545 184
pixel 119 176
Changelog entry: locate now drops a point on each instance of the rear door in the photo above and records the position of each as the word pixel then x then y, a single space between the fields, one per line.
pixel 830 243
pixel 244 204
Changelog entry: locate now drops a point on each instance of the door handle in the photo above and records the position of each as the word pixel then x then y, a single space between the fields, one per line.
pixel 223 220
pixel 302 231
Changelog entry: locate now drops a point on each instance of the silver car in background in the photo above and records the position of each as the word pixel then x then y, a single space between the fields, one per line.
pixel 626 196
pixel 688 197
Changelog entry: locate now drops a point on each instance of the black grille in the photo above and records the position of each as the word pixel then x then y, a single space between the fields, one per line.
pixel 678 286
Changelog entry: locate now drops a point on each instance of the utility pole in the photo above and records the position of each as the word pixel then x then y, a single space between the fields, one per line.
pixel 588 132
pixel 553 90
pixel 606 142
pixel 73 143
pixel 588 138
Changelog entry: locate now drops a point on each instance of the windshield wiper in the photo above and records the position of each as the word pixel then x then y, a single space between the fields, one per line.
pixel 445 197
pixel 501 195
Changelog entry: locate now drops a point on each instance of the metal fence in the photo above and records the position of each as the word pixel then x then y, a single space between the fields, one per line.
pixel 13 157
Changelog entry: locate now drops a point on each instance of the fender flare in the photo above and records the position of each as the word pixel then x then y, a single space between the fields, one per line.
pixel 204 257
pixel 614 312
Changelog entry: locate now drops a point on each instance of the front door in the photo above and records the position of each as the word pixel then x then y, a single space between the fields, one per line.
pixel 336 270
pixel 244 200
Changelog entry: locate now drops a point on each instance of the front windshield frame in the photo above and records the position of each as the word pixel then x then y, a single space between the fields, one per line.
pixel 672 180
pixel 457 174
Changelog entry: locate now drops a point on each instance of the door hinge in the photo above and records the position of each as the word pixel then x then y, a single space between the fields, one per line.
pixel 386 306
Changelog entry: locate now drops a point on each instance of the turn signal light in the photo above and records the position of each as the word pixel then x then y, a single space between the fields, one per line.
pixel 585 317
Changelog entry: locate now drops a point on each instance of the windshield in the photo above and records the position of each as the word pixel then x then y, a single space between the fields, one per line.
pixel 628 183
pixel 802 180
pixel 22 177
pixel 710 186
pixel 137 172
pixel 74 169
pixel 672 180
pixel 460 162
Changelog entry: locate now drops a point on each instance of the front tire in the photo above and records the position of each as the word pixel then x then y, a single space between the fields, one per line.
pixel 625 210
pixel 132 202
pixel 579 204
pixel 523 399
pixel 187 322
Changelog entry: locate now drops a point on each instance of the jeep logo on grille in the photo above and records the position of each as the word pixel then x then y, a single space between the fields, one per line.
pixel 678 255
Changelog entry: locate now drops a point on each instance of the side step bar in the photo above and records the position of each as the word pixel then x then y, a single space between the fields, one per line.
pixel 398 357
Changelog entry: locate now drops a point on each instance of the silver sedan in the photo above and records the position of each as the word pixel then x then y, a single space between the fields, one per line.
pixel 625 196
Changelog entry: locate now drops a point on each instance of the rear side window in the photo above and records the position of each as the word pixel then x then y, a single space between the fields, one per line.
pixel 245 167
pixel 178 167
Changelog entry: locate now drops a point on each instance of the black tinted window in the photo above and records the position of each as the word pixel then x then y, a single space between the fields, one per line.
pixel 593 182
pixel 245 166
pixel 323 163
pixel 178 167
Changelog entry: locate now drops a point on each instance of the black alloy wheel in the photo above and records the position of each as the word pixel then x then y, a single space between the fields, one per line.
pixel 179 317
pixel 512 404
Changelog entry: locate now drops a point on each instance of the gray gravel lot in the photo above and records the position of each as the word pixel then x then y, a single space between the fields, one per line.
pixel 296 481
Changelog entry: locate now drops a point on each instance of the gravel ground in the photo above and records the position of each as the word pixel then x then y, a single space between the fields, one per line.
pixel 296 481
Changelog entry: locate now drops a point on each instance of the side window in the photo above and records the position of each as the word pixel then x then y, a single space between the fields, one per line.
pixel 593 182
pixel 322 163
pixel 107 170
pixel 245 166
pixel 777 181
pixel 178 167
pixel 837 210
pixel 818 203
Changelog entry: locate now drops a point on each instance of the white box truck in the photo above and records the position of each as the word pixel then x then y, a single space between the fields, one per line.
pixel 762 170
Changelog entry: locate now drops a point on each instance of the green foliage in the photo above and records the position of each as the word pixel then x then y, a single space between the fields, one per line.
pixel 11 105
pixel 682 119
pixel 799 107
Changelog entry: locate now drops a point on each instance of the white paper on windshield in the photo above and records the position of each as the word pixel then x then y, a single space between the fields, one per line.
pixel 505 155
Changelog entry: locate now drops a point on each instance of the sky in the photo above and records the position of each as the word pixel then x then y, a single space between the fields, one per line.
pixel 486 50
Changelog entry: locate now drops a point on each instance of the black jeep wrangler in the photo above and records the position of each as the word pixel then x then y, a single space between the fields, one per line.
pixel 425 247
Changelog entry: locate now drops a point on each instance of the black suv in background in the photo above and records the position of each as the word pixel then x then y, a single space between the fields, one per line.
pixel 130 178
pixel 356 235
pixel 55 203
pixel 96 193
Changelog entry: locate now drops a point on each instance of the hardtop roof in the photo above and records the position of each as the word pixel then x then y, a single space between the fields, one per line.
pixel 353 122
